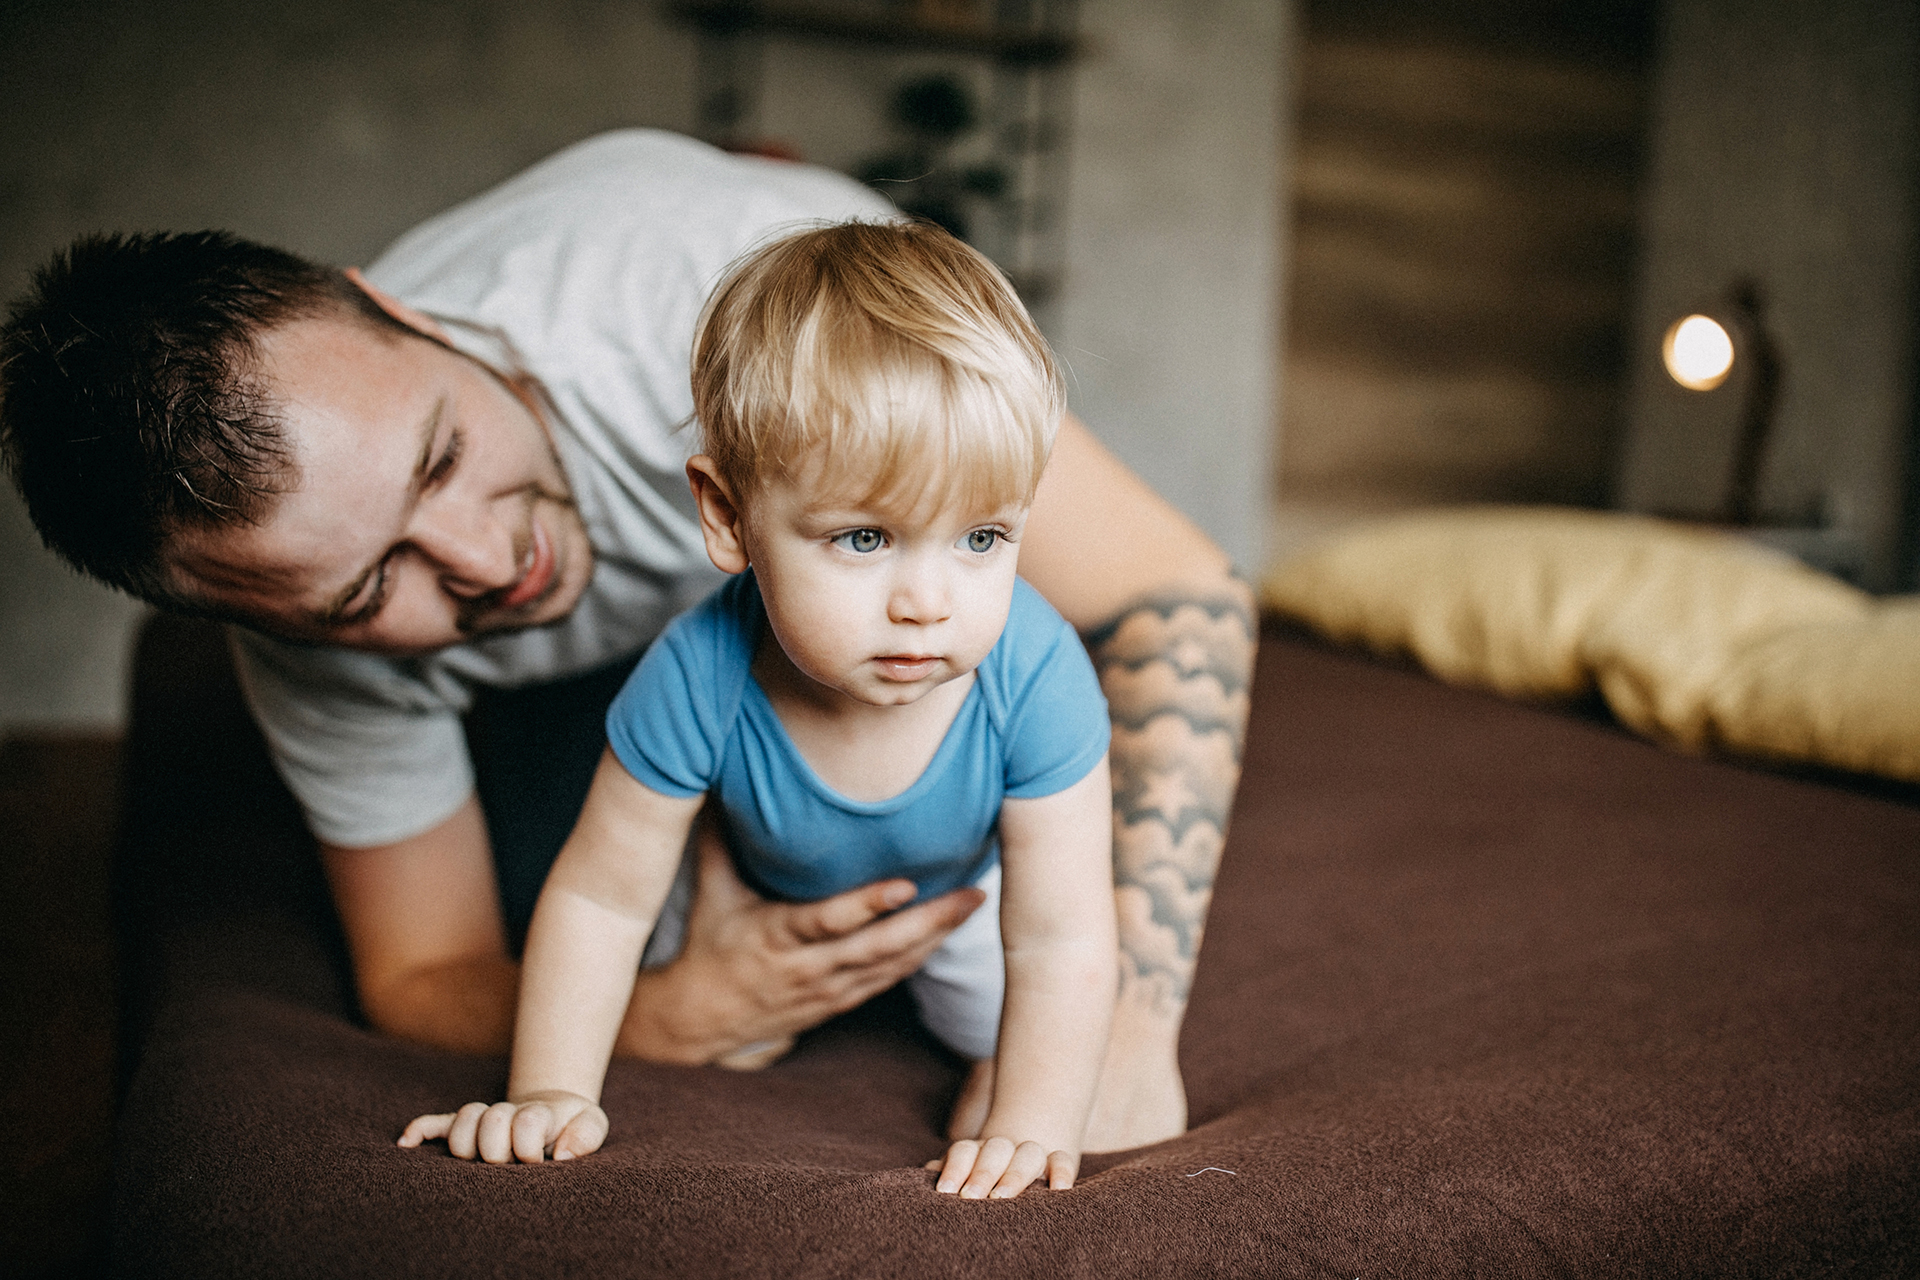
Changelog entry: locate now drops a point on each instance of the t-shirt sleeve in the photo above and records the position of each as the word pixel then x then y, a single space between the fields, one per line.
pixel 1057 728
pixel 372 749
pixel 668 725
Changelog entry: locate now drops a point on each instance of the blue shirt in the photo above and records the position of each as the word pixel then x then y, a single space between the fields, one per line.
pixel 692 719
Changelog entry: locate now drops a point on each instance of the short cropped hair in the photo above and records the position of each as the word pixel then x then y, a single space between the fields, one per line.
pixel 890 355
pixel 130 406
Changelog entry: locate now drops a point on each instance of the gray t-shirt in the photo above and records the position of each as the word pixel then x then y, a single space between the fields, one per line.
pixel 586 273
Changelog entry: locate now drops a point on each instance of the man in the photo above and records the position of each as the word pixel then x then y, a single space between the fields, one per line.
pixel 453 486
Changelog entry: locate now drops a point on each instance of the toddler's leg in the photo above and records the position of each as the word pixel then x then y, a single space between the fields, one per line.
pixel 959 992
pixel 964 982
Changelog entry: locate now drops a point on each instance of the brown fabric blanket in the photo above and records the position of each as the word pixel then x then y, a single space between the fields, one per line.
pixel 1487 991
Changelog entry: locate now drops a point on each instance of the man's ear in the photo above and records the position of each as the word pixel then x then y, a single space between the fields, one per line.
pixel 720 516
pixel 399 310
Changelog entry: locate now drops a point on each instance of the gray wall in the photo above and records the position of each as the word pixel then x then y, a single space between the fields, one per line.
pixel 1785 141
pixel 1170 323
pixel 331 127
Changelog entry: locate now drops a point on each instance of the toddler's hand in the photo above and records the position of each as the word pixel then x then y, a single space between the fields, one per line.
pixel 564 1123
pixel 997 1169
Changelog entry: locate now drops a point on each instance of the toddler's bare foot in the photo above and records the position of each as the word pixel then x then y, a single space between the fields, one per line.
pixel 756 1056
pixel 975 1100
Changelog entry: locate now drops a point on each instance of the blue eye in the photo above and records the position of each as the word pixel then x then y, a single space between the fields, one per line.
pixel 861 541
pixel 982 540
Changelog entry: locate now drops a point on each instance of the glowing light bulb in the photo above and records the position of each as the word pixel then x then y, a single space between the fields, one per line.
pixel 1698 353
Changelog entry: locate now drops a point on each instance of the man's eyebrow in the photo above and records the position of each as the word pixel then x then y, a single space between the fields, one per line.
pixel 335 610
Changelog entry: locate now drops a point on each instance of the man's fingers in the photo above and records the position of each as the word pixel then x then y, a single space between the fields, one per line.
pixel 919 928
pixel 842 914
pixel 426 1128
pixel 582 1135
pixel 466 1124
pixel 1029 1162
pixel 995 1155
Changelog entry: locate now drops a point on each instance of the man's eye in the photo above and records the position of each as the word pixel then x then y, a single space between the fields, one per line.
pixel 982 540
pixel 861 540
pixel 448 460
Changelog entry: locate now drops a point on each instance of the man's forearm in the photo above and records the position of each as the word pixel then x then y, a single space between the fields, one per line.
pixel 1176 669
pixel 463 1005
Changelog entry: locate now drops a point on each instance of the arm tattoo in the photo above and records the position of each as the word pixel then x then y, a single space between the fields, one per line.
pixel 1176 670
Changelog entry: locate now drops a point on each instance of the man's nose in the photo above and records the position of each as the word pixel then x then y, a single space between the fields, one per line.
pixel 921 593
pixel 472 546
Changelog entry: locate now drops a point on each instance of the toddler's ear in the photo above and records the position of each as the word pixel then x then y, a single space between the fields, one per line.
pixel 719 515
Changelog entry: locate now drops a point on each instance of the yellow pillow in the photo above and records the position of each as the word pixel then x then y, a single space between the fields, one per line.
pixel 1546 602
pixel 1844 694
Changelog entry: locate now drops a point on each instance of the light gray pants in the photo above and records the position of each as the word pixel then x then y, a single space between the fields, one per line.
pixel 959 990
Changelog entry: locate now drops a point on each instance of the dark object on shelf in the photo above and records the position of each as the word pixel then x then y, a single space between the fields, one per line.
pixel 1748 305
pixel 1008 202
pixel 1010 43
pixel 933 112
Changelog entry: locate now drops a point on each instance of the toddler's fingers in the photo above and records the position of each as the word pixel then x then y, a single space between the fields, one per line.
pixel 995 1155
pixel 495 1137
pixel 1029 1161
pixel 528 1133
pixel 959 1163
pixel 426 1128
pixel 466 1124
pixel 1062 1168
pixel 582 1136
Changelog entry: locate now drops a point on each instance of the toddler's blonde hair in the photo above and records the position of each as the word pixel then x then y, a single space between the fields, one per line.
pixel 889 356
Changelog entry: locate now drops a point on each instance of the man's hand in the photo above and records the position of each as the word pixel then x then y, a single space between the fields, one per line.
pixel 755 973
pixel 564 1123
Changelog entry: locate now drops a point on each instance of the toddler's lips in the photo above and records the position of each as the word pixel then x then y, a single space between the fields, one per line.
pixel 539 575
pixel 906 667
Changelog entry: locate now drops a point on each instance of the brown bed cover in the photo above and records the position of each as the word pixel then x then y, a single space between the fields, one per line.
pixel 1488 990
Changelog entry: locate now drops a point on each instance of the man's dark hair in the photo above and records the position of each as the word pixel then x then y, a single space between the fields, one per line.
pixel 130 405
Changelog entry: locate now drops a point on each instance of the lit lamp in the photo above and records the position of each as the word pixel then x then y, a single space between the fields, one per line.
pixel 1699 352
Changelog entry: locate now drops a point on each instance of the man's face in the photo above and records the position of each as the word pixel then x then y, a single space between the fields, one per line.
pixel 430 506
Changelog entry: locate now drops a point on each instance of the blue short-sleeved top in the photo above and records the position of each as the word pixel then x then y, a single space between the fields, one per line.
pixel 692 719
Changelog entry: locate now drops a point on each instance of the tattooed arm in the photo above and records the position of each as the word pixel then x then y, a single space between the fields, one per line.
pixel 1172 633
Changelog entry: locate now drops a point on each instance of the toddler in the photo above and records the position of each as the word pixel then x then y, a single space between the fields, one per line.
pixel 875 694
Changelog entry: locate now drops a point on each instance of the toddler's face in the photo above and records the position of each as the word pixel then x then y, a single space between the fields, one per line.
pixel 881 605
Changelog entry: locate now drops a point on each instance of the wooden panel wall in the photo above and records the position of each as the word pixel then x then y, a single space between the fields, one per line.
pixel 1464 193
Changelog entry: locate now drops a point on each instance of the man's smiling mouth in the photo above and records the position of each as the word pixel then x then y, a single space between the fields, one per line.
pixel 538 578
pixel 537 584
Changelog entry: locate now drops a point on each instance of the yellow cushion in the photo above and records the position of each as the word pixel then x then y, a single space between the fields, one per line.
pixel 1546 602
pixel 1845 694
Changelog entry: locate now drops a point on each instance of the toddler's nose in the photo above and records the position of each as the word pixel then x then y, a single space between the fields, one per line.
pixel 920 595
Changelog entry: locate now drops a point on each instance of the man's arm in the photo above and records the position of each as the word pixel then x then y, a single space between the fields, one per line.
pixel 1172 634
pixel 422 921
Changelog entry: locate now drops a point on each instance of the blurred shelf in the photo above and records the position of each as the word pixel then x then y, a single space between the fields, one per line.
pixel 1013 45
